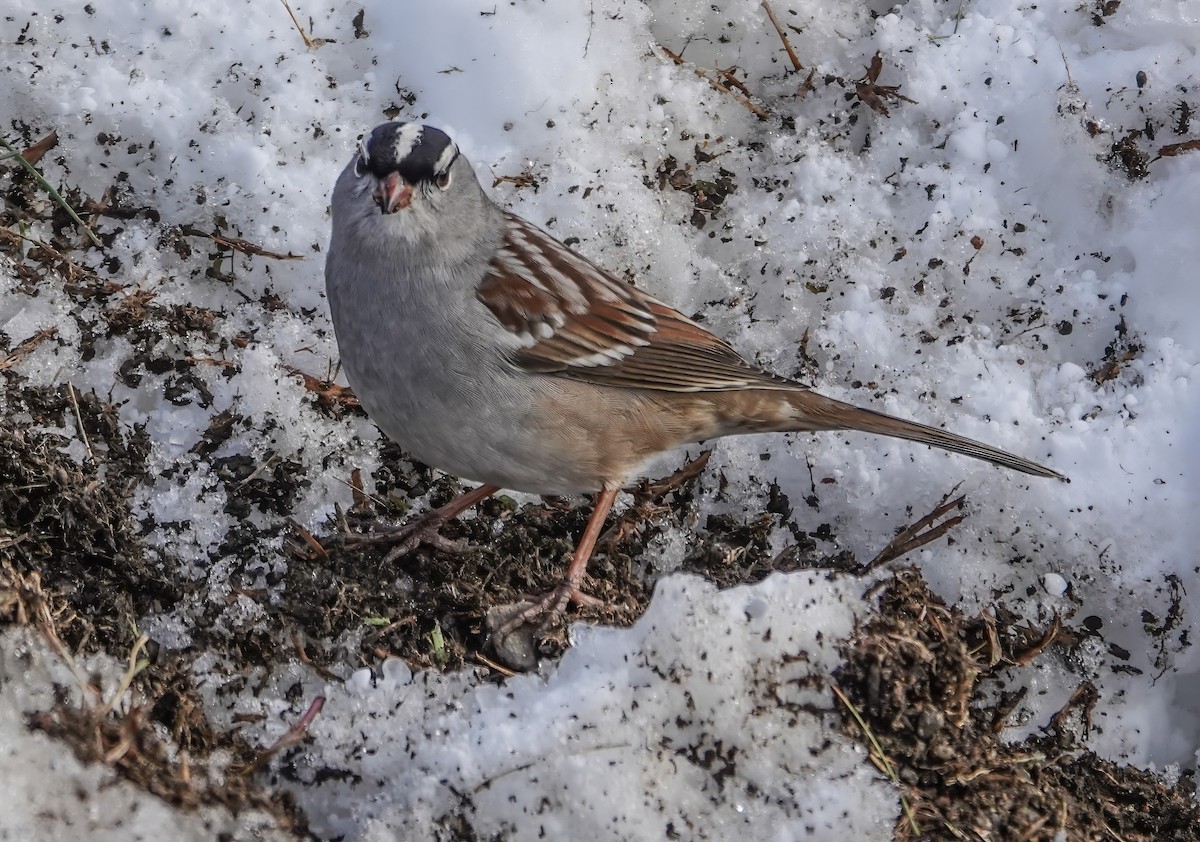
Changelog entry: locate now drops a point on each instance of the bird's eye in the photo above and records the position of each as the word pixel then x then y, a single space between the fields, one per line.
pixel 360 166
pixel 443 180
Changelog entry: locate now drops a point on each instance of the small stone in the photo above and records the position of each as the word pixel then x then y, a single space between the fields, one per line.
pixel 516 649
pixel 930 722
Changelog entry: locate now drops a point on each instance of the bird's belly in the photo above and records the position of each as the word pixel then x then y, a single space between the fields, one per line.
pixel 480 427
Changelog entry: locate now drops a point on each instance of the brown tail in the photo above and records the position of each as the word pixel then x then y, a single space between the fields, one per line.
pixel 816 412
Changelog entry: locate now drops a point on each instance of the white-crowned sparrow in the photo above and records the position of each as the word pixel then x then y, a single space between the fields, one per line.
pixel 486 348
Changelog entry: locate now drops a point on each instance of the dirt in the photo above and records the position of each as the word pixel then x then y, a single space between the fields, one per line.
pixel 917 674
pixel 73 566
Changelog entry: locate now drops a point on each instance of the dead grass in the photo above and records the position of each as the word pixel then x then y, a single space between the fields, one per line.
pixel 73 570
pixel 915 675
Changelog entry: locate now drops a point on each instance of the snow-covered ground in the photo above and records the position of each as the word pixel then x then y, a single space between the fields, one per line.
pixel 978 258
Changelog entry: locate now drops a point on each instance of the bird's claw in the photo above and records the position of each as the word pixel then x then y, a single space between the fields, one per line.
pixel 425 531
pixel 427 536
pixel 546 608
pixel 514 629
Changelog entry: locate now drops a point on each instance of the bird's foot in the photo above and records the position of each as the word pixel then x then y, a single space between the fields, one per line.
pixel 514 628
pixel 425 531
pixel 541 611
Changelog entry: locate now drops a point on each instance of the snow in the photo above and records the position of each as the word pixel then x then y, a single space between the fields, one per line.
pixel 630 725
pixel 985 197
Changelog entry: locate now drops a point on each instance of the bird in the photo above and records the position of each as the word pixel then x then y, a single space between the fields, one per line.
pixel 486 348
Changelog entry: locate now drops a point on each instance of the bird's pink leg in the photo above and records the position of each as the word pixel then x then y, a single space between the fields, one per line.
pixel 556 600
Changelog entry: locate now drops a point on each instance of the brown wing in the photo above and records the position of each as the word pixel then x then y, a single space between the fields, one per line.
pixel 575 320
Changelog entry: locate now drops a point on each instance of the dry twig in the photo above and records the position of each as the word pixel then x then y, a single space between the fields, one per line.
pixel 26 347
pixel 293 736
pixel 912 537
pixel 787 45
pixel 1173 149
pixel 490 664
pixel 72 270
pixel 758 112
pixel 878 756
pixel 79 420
pixel 239 245
pixel 1027 655
pixel 331 397
pixel 317 551
pixel 308 42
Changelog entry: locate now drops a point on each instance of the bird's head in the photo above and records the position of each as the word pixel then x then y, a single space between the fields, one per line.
pixel 407 182
pixel 405 162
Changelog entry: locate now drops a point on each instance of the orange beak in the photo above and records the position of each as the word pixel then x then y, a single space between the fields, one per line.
pixel 393 193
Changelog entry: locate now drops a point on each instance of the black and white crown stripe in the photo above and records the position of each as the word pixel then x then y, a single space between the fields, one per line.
pixel 416 152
